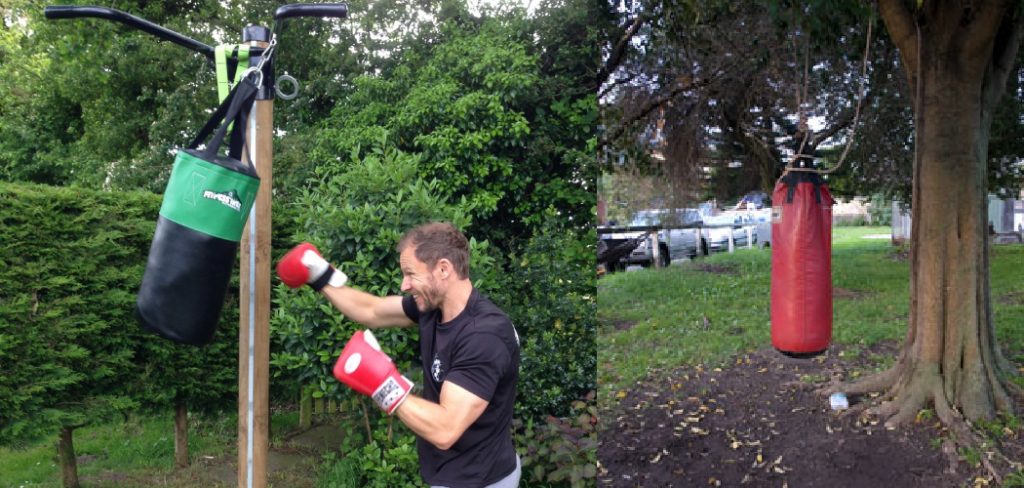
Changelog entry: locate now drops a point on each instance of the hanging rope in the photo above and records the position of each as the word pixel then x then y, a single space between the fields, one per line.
pixel 856 117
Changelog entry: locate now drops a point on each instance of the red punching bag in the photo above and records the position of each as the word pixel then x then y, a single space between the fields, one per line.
pixel 801 264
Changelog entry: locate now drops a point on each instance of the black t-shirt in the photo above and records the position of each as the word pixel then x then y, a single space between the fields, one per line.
pixel 479 351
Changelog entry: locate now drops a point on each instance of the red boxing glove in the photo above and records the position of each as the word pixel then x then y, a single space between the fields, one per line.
pixel 366 369
pixel 304 265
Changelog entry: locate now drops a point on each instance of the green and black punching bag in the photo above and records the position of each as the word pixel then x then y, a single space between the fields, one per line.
pixel 205 207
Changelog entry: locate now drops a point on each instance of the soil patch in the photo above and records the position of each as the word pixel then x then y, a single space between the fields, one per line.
pixel 1012 298
pixel 758 423
pixel 624 324
pixel 722 269
pixel 847 294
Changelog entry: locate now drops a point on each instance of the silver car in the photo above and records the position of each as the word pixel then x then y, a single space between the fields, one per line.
pixel 718 230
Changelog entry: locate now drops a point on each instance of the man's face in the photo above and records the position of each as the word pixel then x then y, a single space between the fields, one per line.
pixel 418 280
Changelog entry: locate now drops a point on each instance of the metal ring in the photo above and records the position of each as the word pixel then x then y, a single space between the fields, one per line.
pixel 287 79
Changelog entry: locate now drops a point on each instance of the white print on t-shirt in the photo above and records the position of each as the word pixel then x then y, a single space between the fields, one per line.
pixel 435 369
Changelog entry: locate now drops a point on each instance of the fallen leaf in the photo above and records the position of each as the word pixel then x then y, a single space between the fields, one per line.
pixel 656 459
pixel 621 394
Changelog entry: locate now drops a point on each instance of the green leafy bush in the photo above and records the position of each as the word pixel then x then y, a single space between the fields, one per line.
pixel 549 294
pixel 70 263
pixel 560 451
pixel 387 460
pixel 71 349
pixel 880 210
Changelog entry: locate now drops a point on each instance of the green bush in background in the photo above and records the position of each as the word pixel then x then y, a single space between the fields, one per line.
pixel 549 294
pixel 70 263
pixel 71 351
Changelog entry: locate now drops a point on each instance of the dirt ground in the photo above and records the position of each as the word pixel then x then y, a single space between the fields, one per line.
pixel 759 423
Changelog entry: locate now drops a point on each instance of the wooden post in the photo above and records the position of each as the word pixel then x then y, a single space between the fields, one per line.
pixel 305 407
pixel 180 434
pixel 254 291
pixel 655 250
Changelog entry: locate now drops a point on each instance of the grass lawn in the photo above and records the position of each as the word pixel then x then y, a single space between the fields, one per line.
pixel 139 452
pixel 708 310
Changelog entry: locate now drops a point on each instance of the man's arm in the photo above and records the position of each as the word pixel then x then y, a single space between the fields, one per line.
pixel 442 424
pixel 369 310
pixel 304 265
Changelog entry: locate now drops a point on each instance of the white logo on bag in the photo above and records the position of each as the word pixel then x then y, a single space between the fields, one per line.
pixel 228 199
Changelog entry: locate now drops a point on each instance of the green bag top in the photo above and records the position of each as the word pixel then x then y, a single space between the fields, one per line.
pixel 207 197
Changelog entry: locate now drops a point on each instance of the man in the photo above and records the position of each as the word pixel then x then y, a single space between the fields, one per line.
pixel 469 348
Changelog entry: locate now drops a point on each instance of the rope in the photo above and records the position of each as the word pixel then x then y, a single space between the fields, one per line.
pixel 856 118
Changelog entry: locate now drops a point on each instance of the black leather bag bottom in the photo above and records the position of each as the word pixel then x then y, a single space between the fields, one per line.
pixel 186 280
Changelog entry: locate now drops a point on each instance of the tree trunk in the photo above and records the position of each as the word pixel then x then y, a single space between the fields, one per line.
pixel 950 359
pixel 66 457
pixel 181 434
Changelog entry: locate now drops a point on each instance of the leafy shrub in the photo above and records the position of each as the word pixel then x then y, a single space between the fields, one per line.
pixel 560 451
pixel 70 263
pixel 880 210
pixel 388 460
pixel 549 295
pixel 71 350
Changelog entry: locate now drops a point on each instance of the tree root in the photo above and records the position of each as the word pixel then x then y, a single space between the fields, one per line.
pixel 876 382
pixel 904 397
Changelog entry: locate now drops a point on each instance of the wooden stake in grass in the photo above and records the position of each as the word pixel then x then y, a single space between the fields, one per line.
pixel 181 434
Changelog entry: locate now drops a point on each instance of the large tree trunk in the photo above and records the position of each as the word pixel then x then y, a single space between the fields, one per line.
pixel 66 457
pixel 181 434
pixel 957 58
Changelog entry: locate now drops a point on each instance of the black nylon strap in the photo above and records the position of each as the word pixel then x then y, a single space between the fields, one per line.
pixel 796 177
pixel 235 108
pixel 319 283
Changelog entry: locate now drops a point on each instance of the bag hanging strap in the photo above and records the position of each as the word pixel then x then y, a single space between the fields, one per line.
pixel 230 69
pixel 234 108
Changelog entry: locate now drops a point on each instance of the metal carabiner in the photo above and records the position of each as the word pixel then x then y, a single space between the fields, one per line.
pixel 259 75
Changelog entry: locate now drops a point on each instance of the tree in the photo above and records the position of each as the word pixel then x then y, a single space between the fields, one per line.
pixel 67 335
pixel 957 58
pixel 729 91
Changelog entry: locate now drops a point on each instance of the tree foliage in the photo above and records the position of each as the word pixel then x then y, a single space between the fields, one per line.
pixel 67 338
pixel 728 92
pixel 72 352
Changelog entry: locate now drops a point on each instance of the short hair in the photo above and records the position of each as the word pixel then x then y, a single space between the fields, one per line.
pixel 438 240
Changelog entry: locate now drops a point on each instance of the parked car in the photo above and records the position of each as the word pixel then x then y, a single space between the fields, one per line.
pixel 677 237
pixel 717 230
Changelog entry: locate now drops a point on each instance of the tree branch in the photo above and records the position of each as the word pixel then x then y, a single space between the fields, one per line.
pixel 651 105
pixel 1004 53
pixel 899 21
pixel 618 53
pixel 842 122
